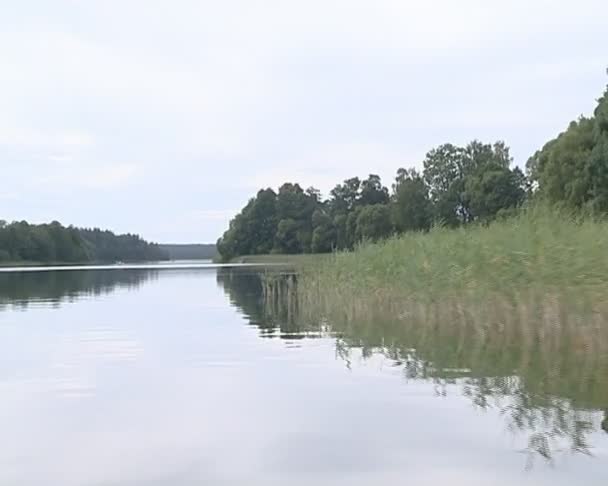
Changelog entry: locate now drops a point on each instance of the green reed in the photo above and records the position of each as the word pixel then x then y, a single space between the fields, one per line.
pixel 516 312
pixel 539 248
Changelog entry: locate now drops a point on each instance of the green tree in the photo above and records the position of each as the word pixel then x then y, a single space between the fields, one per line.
pixel 444 175
pixel 373 192
pixel 493 190
pixel 344 197
pixel 20 241
pixel 374 222
pixel 447 170
pixel 572 169
pixel 351 236
pixel 288 238
pixel 324 232
pixel 560 169
pixel 343 241
pixel 412 208
pixel 297 206
pixel 262 222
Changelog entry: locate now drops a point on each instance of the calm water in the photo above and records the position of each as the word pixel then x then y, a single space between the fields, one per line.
pixel 182 376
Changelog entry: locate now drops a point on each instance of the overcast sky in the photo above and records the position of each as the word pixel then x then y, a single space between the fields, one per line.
pixel 164 117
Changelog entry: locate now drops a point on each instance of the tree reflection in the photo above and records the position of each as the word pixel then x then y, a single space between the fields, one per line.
pixel 540 358
pixel 20 289
pixel 268 300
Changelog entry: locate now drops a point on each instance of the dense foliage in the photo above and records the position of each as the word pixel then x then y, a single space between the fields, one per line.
pixel 457 186
pixel 105 246
pixel 24 242
pixel 572 170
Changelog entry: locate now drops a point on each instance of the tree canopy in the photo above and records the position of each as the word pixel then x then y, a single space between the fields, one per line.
pixel 45 243
pixel 572 169
pixel 458 185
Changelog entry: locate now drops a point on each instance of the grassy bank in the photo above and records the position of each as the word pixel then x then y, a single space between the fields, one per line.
pixel 537 249
pixel 299 261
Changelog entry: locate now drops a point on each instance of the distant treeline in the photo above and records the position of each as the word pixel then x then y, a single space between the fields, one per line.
pixel 190 252
pixel 457 186
pixel 24 242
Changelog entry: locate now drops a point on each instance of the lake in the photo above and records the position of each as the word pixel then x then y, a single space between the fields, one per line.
pixel 188 375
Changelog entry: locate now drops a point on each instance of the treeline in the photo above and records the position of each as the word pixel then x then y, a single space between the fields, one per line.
pixel 24 242
pixel 457 186
pixel 190 251
pixel 105 246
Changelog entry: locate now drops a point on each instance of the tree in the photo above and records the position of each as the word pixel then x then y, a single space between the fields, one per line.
pixel 374 222
pixel 20 241
pixel 262 224
pixel 412 208
pixel 288 239
pixel 560 169
pixel 449 169
pixel 341 236
pixel 444 175
pixel 373 192
pixel 351 227
pixel 493 190
pixel 297 206
pixel 344 197
pixel 572 169
pixel 324 232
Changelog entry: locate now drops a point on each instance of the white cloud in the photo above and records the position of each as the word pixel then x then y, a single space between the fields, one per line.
pixel 214 98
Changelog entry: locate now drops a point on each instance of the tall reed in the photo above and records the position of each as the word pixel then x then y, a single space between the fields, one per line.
pixel 538 248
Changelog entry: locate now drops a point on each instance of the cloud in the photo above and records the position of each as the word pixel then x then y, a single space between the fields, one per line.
pixel 204 102
pixel 67 174
pixel 330 164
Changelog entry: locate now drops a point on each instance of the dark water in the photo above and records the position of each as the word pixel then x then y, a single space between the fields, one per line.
pixel 188 376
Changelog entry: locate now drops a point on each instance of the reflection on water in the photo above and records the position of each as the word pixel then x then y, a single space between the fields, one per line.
pixel 542 364
pixel 189 376
pixel 24 288
pixel 274 315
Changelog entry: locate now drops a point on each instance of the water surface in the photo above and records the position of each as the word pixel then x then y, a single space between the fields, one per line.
pixel 185 376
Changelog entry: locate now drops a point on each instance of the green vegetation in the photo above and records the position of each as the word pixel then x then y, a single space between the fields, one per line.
pixel 572 170
pixel 468 274
pixel 22 243
pixel 559 242
pixel 539 248
pixel 277 258
pixel 190 251
pixel 538 355
pixel 458 186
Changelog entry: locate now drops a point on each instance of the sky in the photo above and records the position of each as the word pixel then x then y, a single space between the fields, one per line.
pixel 163 118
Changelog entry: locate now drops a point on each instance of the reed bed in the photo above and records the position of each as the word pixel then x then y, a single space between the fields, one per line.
pixel 536 249
pixel 516 312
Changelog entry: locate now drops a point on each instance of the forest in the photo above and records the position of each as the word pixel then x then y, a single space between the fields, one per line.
pixel 190 251
pixel 457 186
pixel 54 243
